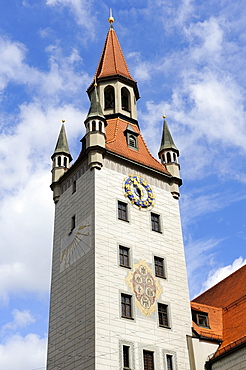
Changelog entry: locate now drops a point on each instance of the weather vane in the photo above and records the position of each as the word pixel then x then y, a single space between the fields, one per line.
pixel 111 18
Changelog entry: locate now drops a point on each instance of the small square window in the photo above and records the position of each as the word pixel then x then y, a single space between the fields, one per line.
pixel 148 360
pixel 202 319
pixel 169 362
pixel 124 256
pixel 122 211
pixel 155 222
pixel 163 315
pixel 126 358
pixel 159 267
pixel 126 306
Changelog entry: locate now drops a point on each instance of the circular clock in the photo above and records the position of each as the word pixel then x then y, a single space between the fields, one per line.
pixel 138 191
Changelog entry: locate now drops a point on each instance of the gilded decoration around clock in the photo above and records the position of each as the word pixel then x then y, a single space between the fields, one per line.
pixel 138 191
pixel 145 287
pixel 76 244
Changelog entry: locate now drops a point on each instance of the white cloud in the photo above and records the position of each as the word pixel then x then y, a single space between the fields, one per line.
pixel 82 11
pixel 200 255
pixel 21 319
pixel 142 69
pixel 206 110
pixel 23 353
pixel 215 276
pixel 60 81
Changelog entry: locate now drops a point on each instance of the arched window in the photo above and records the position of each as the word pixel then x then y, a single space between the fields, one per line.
pixel 174 157
pixel 125 99
pixel 168 157
pixel 100 126
pixel 93 126
pixel 132 141
pixel 59 161
pixel 65 161
pixel 109 100
pixel 163 158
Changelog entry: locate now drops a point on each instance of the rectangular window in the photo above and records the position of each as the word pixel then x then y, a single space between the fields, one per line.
pixel 169 362
pixel 122 211
pixel 148 360
pixel 163 315
pixel 159 267
pixel 72 223
pixel 74 186
pixel 124 256
pixel 126 306
pixel 126 357
pixel 155 222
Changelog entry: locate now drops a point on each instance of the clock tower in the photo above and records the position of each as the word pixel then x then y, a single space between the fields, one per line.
pixel 119 294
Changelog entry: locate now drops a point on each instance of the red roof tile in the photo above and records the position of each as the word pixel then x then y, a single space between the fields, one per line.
pixel 116 142
pixel 112 61
pixel 226 291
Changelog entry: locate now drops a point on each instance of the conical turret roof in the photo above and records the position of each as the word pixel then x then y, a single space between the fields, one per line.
pixel 62 144
pixel 112 61
pixel 95 107
pixel 167 140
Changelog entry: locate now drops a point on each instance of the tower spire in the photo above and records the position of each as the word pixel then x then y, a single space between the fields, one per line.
pixel 61 161
pixel 169 154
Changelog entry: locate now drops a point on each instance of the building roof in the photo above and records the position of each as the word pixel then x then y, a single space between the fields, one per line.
pixel 167 140
pixel 229 296
pixel 226 291
pixel 112 61
pixel 62 144
pixel 116 142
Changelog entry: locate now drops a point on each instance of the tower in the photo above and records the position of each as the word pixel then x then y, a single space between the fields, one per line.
pixel 119 295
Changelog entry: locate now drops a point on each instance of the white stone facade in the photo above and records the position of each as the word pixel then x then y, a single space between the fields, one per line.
pixel 87 331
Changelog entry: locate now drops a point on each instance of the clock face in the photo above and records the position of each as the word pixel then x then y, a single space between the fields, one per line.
pixel 76 244
pixel 138 191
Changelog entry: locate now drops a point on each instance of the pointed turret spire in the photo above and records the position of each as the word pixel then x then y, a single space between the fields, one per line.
pixel 95 124
pixel 95 107
pixel 61 161
pixel 167 140
pixel 169 154
pixel 62 144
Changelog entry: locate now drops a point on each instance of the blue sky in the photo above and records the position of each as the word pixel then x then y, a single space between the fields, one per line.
pixel 189 60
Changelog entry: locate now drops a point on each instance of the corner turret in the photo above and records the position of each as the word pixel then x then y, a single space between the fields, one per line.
pixel 95 124
pixel 168 154
pixel 61 159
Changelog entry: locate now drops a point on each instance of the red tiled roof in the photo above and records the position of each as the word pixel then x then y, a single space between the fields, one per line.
pixel 116 142
pixel 112 61
pixel 214 331
pixel 226 291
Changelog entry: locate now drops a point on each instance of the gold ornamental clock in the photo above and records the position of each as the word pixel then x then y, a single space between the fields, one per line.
pixel 76 244
pixel 138 191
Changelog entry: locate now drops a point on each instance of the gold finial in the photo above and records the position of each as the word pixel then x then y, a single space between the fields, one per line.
pixel 164 117
pixel 63 121
pixel 111 18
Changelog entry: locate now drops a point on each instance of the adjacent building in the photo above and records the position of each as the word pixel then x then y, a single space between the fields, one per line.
pixel 219 325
